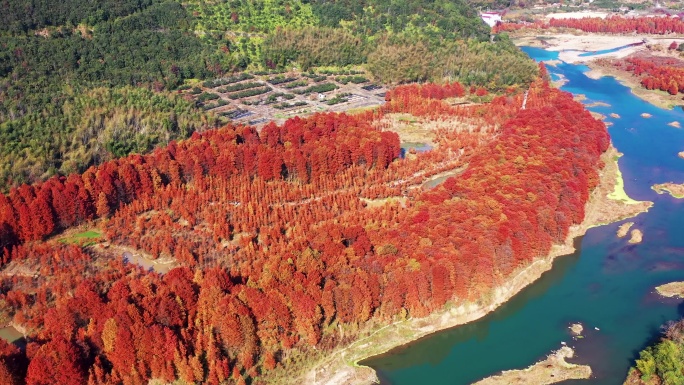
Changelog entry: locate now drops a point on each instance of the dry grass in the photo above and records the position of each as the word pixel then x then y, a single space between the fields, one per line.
pixel 412 129
pixel 636 237
pixel 675 190
pixel 673 289
pixel 383 201
pixel 624 229
pixel 549 371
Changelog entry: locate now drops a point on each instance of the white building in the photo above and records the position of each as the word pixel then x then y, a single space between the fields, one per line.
pixel 490 18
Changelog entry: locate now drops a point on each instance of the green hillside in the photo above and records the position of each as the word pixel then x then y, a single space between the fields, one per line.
pixel 54 56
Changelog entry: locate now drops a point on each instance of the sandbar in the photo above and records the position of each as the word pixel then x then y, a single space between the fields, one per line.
pixel 636 237
pixel 624 229
pixel 576 328
pixel 549 371
pixel 597 116
pixel 597 104
pixel 674 189
pixel 672 289
pixel 572 45
pixel 655 97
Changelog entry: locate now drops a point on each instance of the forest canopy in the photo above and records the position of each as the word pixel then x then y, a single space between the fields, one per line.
pixel 278 254
pixel 662 362
pixel 53 54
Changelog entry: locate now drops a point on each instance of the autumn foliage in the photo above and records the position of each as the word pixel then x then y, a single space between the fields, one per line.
pixel 619 24
pixel 610 25
pixel 663 74
pixel 277 244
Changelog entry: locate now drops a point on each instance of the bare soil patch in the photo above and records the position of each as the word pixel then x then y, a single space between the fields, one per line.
pixel 636 237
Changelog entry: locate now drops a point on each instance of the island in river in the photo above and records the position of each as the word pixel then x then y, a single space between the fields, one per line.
pixel 672 289
pixel 552 370
pixel 674 189
pixel 624 229
pixel 636 236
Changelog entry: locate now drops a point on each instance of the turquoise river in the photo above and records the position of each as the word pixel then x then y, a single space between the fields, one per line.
pixel 607 285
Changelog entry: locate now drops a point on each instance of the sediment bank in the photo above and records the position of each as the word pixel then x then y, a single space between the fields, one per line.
pixel 552 370
pixel 674 189
pixel 672 289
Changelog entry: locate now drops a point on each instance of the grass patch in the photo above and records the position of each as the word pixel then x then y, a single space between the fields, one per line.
pixel 86 238
pixel 619 193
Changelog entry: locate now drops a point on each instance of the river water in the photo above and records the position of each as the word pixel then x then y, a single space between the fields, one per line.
pixel 607 284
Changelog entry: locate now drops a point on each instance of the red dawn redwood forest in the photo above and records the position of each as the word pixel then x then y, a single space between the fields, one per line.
pixel 656 73
pixel 612 25
pixel 281 239
pixel 653 71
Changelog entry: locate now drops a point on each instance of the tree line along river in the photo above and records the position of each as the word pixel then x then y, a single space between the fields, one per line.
pixel 607 284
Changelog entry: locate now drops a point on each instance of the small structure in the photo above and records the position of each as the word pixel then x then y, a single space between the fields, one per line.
pixel 490 18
